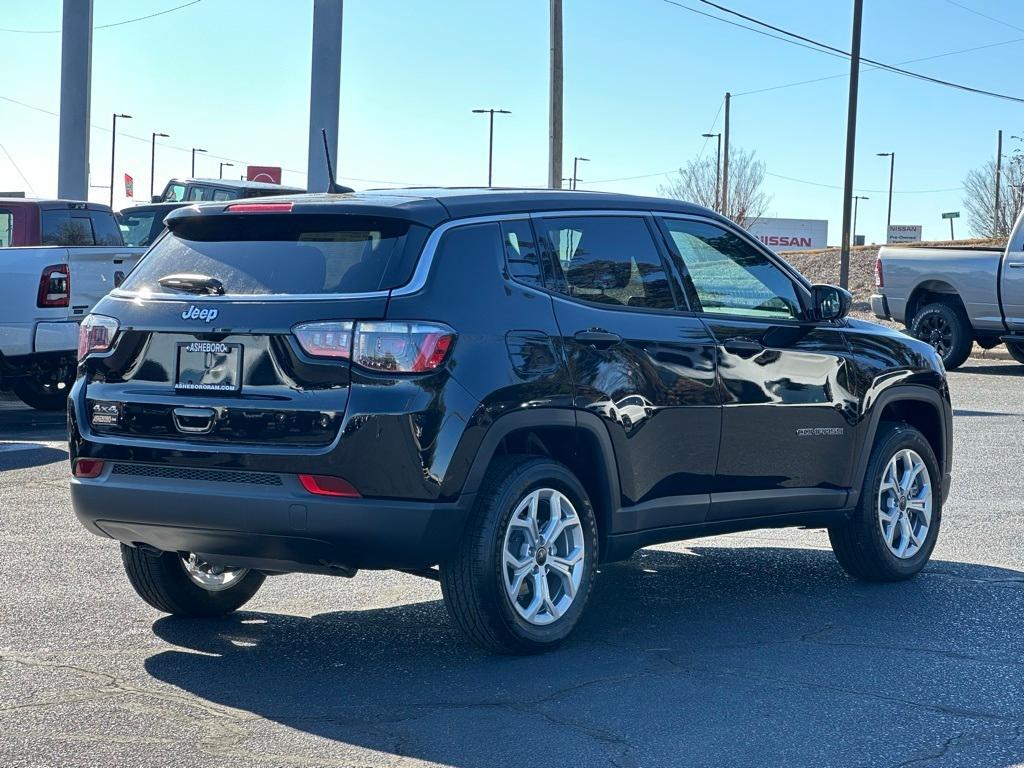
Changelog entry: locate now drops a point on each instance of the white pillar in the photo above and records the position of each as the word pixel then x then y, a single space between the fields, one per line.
pixel 75 97
pixel 324 91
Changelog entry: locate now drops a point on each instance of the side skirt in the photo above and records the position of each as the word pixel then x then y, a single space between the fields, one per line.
pixel 622 546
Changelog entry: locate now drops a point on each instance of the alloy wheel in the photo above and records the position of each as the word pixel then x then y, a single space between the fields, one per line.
pixel 543 556
pixel 936 331
pixel 212 578
pixel 905 504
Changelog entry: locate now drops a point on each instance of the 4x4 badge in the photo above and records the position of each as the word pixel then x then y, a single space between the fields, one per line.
pixel 195 313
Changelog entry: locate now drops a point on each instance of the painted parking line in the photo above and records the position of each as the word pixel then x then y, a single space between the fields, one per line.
pixel 11 447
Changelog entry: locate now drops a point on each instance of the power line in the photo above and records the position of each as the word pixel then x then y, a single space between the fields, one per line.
pixel 864 189
pixel 23 177
pixel 101 26
pixel 873 69
pixel 1000 22
pixel 814 45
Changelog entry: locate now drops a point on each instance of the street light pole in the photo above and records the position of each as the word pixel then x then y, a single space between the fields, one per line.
pixel 222 167
pixel 490 143
pixel 575 164
pixel 194 150
pixel 152 159
pixel 718 164
pixel 853 235
pixel 113 146
pixel 892 166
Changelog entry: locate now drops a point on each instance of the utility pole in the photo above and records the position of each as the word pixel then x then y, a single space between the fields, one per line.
pixel 718 165
pixel 555 105
pixel 575 164
pixel 851 142
pixel 888 218
pixel 490 143
pixel 113 147
pixel 999 183
pixel 152 159
pixel 725 159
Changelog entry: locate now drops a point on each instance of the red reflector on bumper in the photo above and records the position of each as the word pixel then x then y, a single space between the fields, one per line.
pixel 326 485
pixel 88 467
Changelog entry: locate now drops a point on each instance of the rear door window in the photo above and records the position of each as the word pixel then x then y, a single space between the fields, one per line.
pixel 284 254
pixel 6 228
pixel 609 260
pixel 223 194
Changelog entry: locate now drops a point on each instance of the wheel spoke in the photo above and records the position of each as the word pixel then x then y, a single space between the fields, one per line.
pixel 549 604
pixel 564 572
pixel 905 535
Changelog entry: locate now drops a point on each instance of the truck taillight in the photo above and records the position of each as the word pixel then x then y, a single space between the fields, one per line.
pixel 55 286
pixel 879 277
pixel 96 334
pixel 395 347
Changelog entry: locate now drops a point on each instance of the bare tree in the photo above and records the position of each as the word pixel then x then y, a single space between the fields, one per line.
pixel 695 183
pixel 980 197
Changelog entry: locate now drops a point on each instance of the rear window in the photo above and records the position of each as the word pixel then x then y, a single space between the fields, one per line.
pixel 78 227
pixel 284 254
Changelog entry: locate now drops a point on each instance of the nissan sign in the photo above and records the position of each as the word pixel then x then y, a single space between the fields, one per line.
pixel 791 234
pixel 904 233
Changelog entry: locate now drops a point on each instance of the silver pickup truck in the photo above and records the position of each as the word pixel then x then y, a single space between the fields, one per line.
pixel 953 297
pixel 57 259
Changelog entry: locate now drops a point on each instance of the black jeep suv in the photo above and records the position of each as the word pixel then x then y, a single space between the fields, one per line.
pixel 515 386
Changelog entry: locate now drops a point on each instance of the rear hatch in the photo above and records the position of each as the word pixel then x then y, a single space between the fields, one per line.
pixel 235 328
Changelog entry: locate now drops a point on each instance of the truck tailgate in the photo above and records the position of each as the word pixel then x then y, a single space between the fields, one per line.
pixel 95 271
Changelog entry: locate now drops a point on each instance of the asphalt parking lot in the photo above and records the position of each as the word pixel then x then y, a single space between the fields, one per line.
pixel 747 650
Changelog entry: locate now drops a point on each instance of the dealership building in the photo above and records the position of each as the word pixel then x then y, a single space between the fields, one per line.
pixel 790 234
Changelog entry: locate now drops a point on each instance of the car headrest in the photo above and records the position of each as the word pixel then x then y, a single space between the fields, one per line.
pixel 597 274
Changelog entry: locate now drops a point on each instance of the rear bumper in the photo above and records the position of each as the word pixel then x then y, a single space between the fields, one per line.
pixel 265 521
pixel 880 306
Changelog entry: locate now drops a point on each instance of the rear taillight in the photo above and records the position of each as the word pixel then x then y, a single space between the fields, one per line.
pixel 407 347
pixel 328 485
pixel 325 339
pixel 96 334
pixel 55 286
pixel 88 468
pixel 879 277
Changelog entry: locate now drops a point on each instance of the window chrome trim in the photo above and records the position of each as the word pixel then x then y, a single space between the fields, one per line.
pixel 418 281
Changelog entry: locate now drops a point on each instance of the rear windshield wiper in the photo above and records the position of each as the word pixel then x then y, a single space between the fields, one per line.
pixel 201 284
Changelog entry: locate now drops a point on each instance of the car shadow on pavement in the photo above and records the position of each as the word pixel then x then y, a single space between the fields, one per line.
pixel 707 656
pixel 1009 369
pixel 27 456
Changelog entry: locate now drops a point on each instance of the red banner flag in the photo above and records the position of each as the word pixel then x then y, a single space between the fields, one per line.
pixel 129 186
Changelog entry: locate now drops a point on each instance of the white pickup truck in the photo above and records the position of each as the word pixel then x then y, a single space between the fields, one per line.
pixel 955 297
pixel 57 259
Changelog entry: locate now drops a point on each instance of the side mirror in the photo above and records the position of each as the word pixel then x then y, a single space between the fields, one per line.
pixel 156 199
pixel 830 302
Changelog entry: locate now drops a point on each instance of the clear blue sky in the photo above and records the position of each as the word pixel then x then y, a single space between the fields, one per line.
pixel 643 80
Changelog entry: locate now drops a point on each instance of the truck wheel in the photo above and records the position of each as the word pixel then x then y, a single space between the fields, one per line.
pixel 945 327
pixel 893 530
pixel 1016 351
pixel 526 564
pixel 50 396
pixel 187 586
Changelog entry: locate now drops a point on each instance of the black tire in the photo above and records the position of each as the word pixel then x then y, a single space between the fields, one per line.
pixel 162 582
pixel 1016 351
pixel 945 326
pixel 472 581
pixel 43 397
pixel 858 543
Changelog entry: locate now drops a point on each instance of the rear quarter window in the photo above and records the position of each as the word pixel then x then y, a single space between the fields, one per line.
pixel 284 254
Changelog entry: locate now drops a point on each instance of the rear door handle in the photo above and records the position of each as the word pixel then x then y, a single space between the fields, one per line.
pixel 743 347
pixel 597 337
pixel 1016 265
